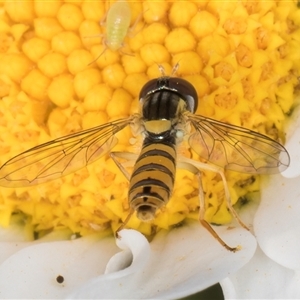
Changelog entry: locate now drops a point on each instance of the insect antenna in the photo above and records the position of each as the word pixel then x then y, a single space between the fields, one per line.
pixel 162 70
pixel 175 68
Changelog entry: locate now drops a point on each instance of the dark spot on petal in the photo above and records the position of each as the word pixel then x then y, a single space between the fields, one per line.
pixel 60 279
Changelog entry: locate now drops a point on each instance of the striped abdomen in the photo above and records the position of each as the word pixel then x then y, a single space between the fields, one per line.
pixel 153 177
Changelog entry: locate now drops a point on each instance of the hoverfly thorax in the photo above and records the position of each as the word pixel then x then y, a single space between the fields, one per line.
pixel 163 100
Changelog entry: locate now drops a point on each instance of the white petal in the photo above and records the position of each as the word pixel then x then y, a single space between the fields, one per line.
pixel 276 223
pixel 31 272
pixel 179 263
pixel 293 146
pixel 8 249
pixel 135 255
pixel 12 234
pixel 182 261
pixel 262 278
pixel 12 240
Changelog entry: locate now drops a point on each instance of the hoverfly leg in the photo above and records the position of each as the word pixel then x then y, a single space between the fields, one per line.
pixel 124 224
pixel 220 171
pixel 204 223
pixel 130 157
pixel 228 199
pixel 190 167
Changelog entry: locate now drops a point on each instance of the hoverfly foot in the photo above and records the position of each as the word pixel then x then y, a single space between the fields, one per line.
pixel 117 236
pixel 207 226
pixel 123 224
pixel 232 249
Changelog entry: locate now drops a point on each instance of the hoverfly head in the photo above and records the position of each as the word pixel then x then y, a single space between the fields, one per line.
pixel 179 86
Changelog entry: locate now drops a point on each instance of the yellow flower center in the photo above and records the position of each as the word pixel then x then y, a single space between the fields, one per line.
pixel 243 58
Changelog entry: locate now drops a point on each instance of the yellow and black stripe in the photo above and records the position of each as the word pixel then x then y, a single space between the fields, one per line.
pixel 153 177
pixel 163 101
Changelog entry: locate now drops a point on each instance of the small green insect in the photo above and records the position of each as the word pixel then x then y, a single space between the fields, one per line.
pixel 117 25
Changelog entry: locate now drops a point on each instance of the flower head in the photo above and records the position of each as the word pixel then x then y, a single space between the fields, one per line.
pixel 58 78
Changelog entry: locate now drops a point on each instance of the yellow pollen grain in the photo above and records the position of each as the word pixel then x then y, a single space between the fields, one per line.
pixel 155 11
pixel 91 101
pixel 181 13
pixel 203 23
pixel 36 48
pixel 53 64
pixel 16 66
pixel 35 84
pixel 90 33
pixel 78 60
pixel 20 12
pixel 85 80
pixel 61 97
pixel 155 33
pixel 213 48
pixel 93 11
pixel 184 59
pixel 46 28
pixel 46 8
pixel 187 40
pixel 119 103
pixel 114 75
pixel 70 16
pixel 57 77
pixel 133 64
pixel 154 53
pixel 94 118
pixel 104 56
pixel 66 42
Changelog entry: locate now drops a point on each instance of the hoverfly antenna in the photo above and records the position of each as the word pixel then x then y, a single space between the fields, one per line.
pixel 173 72
pixel 175 68
pixel 161 69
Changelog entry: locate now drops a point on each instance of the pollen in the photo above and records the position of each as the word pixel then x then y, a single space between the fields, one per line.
pixel 242 58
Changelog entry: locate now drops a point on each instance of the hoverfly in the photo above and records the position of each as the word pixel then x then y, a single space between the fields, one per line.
pixel 167 116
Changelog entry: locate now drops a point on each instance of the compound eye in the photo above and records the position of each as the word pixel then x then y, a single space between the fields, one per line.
pixel 185 89
pixel 148 87
pixel 178 85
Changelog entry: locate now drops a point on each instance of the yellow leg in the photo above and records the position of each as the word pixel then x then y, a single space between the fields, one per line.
pixel 189 165
pixel 131 158
pixel 204 222
pixel 124 224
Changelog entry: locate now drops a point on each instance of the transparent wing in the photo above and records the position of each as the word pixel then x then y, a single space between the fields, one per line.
pixel 60 156
pixel 236 148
